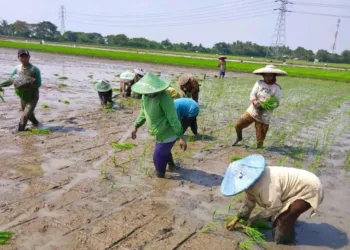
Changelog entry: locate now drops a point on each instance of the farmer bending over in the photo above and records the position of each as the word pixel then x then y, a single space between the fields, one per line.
pixel 105 93
pixel 284 193
pixel 262 91
pixel 27 80
pixel 129 78
pixel 187 111
pixel 158 111
pixel 189 86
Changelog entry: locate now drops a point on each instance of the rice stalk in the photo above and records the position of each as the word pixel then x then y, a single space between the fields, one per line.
pixel 36 131
pixel 63 78
pixel 255 235
pixel 5 237
pixel 270 104
pixel 45 106
pixel 122 146
pixel 210 226
pixel 62 85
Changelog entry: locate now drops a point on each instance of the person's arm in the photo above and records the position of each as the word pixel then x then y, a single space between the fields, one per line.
pixel 279 96
pixel 14 73
pixel 254 92
pixel 272 203
pixel 37 76
pixel 141 119
pixel 247 207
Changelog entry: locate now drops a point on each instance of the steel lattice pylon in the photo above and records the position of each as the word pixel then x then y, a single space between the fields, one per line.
pixel 279 35
pixel 62 16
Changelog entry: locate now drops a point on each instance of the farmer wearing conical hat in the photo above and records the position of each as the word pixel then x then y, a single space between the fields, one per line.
pixel 27 80
pixel 105 93
pixel 189 86
pixel 129 78
pixel 222 66
pixel 284 193
pixel 158 111
pixel 258 112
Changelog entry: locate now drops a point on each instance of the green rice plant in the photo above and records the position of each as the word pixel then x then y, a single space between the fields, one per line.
pixel 210 226
pixel 283 160
pixel 117 75
pixel 91 76
pixel 235 158
pixel 255 235
pixel 191 139
pixel 56 74
pixel 45 106
pixel 234 200
pixel 122 146
pixel 270 104
pixel 63 78
pixel 347 164
pixel 247 244
pixel 62 85
pixel 36 131
pixel 64 101
pixel 2 91
pixel 114 184
pixel 5 237
pixel 116 90
pixel 114 161
pixel 107 111
pixel 104 173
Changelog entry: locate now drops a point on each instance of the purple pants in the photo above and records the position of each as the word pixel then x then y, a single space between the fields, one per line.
pixel 161 155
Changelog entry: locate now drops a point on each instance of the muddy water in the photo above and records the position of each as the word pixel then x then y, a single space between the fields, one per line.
pixel 65 191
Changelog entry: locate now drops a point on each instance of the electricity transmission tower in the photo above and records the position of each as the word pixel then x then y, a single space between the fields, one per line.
pixel 279 35
pixel 62 16
pixel 334 45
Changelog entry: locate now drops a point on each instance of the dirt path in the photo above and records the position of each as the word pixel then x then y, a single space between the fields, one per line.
pixel 66 191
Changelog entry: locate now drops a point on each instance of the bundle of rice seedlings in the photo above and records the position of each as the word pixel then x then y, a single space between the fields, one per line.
pixel 255 235
pixel 247 244
pixel 1 94
pixel 210 226
pixel 5 237
pixel 37 131
pixel 45 106
pixel 64 101
pixel 122 146
pixel 270 104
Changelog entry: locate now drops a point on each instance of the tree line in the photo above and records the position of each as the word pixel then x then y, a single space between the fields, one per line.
pixel 48 31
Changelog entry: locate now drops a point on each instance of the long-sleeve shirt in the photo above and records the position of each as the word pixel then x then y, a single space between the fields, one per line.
pixel 160 115
pixel 278 188
pixel 261 92
pixel 222 66
pixel 186 107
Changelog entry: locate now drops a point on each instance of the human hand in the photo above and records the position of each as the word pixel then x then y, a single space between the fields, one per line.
pixel 232 224
pixel 133 134
pixel 183 144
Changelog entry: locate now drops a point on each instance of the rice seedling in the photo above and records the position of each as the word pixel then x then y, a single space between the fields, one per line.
pixel 63 78
pixel 45 106
pixel 247 244
pixel 117 75
pixel 255 235
pixel 114 184
pixel 270 104
pixel 116 90
pixel 91 76
pixel 104 173
pixel 107 111
pixel 56 74
pixel 114 161
pixel 122 146
pixel 235 158
pixel 347 164
pixel 234 200
pixel 283 160
pixel 2 91
pixel 62 85
pixel 64 102
pixel 5 237
pixel 36 131
pixel 210 226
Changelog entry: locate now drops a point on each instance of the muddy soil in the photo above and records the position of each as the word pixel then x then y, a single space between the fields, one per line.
pixel 71 190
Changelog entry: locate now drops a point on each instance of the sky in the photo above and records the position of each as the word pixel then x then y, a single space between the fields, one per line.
pixel 196 21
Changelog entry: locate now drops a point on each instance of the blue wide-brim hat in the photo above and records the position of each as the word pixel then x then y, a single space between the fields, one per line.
pixel 242 174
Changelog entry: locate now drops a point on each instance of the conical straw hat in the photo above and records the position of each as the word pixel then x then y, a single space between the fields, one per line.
pixel 183 79
pixel 102 86
pixel 270 69
pixel 150 84
pixel 127 76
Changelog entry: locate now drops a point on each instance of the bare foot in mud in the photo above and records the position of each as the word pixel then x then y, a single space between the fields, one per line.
pixel 236 142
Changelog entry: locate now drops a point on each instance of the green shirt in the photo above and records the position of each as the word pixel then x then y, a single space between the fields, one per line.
pixel 28 94
pixel 160 114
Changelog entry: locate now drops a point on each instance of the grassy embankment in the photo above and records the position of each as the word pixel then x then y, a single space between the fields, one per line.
pixel 179 61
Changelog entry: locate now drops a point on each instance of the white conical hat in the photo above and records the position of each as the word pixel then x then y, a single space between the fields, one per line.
pixel 127 76
pixel 270 69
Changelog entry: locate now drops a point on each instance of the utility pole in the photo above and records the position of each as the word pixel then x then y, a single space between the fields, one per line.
pixel 334 45
pixel 62 16
pixel 279 35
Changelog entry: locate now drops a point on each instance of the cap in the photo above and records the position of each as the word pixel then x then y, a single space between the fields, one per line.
pixel 23 52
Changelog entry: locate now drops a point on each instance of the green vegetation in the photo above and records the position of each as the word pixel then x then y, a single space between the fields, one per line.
pixel 64 101
pixel 91 76
pixel 235 158
pixel 62 85
pixel 107 111
pixel 181 61
pixel 2 91
pixel 122 146
pixel 5 237
pixel 63 78
pixel 56 74
pixel 270 104
pixel 36 131
pixel 45 106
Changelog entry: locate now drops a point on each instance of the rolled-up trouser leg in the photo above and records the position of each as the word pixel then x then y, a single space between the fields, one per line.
pixel 284 225
pixel 161 156
pixel 28 112
pixel 243 122
pixel 261 131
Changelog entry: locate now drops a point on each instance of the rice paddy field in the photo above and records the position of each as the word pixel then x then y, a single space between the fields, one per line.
pixel 80 182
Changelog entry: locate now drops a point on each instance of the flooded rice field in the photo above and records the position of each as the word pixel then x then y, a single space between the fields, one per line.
pixel 71 190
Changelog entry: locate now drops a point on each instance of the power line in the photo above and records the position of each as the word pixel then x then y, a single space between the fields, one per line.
pixel 209 8
pixel 320 14
pixel 323 5
pixel 188 18
pixel 179 24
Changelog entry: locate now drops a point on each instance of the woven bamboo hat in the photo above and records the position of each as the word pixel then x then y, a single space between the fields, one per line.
pixel 150 84
pixel 222 57
pixel 270 69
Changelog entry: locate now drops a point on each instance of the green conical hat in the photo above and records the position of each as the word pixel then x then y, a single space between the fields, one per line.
pixel 127 76
pixel 150 84
pixel 102 86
